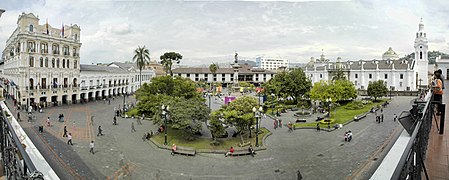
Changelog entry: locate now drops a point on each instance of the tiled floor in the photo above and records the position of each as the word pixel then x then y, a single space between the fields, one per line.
pixel 437 161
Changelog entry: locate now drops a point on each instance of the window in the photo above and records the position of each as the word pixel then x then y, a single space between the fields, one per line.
pixel 74 52
pixel 386 76
pixel 41 62
pixel 408 88
pixel 355 83
pixel 420 55
pixel 188 75
pixel 321 75
pixel 75 64
pixel 57 63
pixel 68 63
pixel 370 76
pixel 46 62
pixel 55 49
pixel 53 63
pixel 31 46
pixel 31 61
pixel 44 48
pixel 401 76
pixel 31 28
pixel 76 36
pixel 400 84
pixel 356 75
pixel 65 50
pixel 63 63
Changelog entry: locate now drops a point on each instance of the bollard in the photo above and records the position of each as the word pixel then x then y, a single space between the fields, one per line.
pixel 442 107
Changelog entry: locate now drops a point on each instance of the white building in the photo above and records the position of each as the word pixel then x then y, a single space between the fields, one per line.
pixel 41 65
pixel 400 75
pixel 272 63
pixel 226 75
pixel 442 62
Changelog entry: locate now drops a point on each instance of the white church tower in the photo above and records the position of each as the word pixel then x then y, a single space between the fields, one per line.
pixel 421 57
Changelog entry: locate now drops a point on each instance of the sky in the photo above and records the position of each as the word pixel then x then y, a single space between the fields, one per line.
pixel 207 32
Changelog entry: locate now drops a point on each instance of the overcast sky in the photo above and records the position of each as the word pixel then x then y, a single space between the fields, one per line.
pixel 211 31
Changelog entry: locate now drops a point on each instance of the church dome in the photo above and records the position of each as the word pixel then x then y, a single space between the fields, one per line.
pixel 390 54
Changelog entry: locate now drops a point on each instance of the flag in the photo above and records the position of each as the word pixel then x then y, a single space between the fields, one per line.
pixel 46 26
pixel 62 33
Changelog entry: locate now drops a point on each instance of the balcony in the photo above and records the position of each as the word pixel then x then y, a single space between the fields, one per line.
pixel 84 87
pixel 76 54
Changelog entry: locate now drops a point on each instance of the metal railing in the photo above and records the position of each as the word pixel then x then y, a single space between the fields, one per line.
pixel 411 165
pixel 18 164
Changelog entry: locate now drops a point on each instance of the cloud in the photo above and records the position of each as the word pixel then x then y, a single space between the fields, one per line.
pixel 204 32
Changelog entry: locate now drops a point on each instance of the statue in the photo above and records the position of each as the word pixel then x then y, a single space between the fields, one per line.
pixel 236 58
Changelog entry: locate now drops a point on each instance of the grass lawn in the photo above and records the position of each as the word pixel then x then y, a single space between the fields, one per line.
pixel 178 137
pixel 342 115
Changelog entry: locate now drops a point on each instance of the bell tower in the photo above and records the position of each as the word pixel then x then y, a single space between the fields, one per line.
pixel 421 56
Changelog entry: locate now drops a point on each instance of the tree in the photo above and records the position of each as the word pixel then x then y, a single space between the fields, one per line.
pixel 216 124
pixel 377 89
pixel 142 58
pixel 339 75
pixel 336 90
pixel 167 60
pixel 239 113
pixel 213 68
pixel 171 86
pixel 293 84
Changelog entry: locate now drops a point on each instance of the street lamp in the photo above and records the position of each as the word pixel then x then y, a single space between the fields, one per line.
pixel 272 105
pixel 165 110
pixel 329 101
pixel 257 115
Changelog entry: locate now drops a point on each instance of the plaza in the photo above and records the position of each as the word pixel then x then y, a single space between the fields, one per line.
pixel 121 153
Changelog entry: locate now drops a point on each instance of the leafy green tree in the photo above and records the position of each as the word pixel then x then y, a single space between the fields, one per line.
pixel 172 86
pixel 298 84
pixel 339 75
pixel 213 68
pixel 346 89
pixel 142 58
pixel 168 59
pixel 239 113
pixel 336 90
pixel 377 89
pixel 216 124
pixel 320 91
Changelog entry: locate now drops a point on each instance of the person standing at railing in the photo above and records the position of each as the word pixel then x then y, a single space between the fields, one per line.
pixel 437 87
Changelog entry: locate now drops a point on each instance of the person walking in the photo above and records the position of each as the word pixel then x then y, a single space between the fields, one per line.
pixel 100 131
pixel 69 139
pixel 48 122
pixel 65 132
pixel 132 127
pixel 275 124
pixel 92 120
pixel 318 128
pixel 18 116
pixel 114 122
pixel 382 116
pixel 91 145
pixel 395 117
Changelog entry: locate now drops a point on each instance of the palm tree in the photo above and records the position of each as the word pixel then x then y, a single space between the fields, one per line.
pixel 142 58
pixel 167 61
pixel 213 68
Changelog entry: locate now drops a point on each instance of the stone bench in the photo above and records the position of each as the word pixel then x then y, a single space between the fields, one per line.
pixel 240 152
pixel 185 151
pixel 359 117
pixel 301 120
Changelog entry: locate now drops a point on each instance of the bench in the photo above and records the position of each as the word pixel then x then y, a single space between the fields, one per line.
pixel 319 118
pixel 240 152
pixel 185 151
pixel 301 120
pixel 359 117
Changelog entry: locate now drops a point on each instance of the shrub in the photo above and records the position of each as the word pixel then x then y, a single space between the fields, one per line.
pixel 326 121
pixel 133 112
pixel 354 105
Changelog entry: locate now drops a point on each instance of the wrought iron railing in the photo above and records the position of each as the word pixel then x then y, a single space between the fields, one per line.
pixel 411 165
pixel 18 164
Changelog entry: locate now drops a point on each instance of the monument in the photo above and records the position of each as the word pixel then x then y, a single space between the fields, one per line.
pixel 236 67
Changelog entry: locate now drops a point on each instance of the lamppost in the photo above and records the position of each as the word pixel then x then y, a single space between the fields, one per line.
pixel 123 92
pixel 257 115
pixel 391 87
pixel 165 110
pixel 329 101
pixel 272 105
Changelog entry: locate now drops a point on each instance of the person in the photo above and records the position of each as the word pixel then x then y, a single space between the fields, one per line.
pixel 100 131
pixel 65 132
pixel 92 147
pixel 441 77
pixel 48 122
pixel 318 128
pixel 92 120
pixel 69 138
pixel 349 136
pixel 173 149
pixel 231 150
pixel 18 116
pixel 346 136
pixel 437 87
pixel 132 127
pixel 280 123
pixel 251 150
pixel 290 126
pixel 114 122
pixel 275 124
pixel 395 117
pixel 382 116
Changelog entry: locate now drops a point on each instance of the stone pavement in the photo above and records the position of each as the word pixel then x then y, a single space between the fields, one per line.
pixel 120 153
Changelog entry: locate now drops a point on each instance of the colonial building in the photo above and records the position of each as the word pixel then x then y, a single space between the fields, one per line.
pixel 226 75
pixel 41 65
pixel 398 74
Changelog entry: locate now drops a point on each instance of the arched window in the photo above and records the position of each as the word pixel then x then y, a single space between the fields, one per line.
pixel 53 63
pixel 31 28
pixel 76 36
pixel 46 62
pixel 41 62
pixel 31 61
pixel 75 83
pixel 57 63
pixel 420 55
pixel 63 63
pixel 68 63
pixel 75 64
pixel 31 83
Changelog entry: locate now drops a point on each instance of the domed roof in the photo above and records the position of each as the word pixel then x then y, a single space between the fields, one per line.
pixel 390 54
